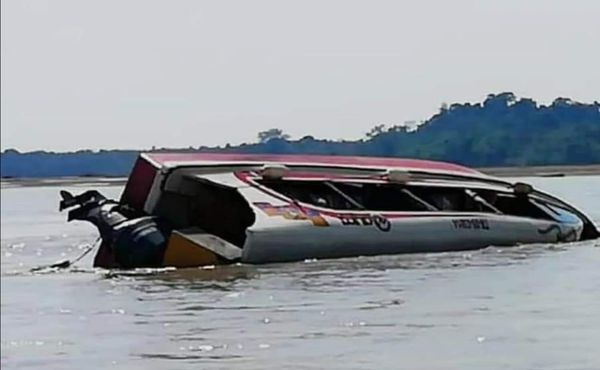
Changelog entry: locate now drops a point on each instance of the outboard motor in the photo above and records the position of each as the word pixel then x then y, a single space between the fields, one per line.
pixel 129 239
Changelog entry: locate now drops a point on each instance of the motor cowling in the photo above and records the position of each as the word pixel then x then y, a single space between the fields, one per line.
pixel 129 238
pixel 139 242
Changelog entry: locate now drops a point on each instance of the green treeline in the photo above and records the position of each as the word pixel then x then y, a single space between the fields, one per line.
pixel 501 131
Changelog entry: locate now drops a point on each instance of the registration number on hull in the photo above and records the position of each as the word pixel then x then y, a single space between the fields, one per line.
pixel 471 224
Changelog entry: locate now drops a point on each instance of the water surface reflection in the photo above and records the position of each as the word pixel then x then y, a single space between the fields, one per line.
pixel 533 306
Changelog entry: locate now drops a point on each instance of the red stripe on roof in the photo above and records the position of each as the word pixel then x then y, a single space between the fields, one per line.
pixel 417 164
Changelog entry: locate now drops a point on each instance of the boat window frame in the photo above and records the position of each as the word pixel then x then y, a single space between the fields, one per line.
pixel 479 199
pixel 347 197
pixel 533 202
pixel 429 208
pixel 474 186
pixel 556 212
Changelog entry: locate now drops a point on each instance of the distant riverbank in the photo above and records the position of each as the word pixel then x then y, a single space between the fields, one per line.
pixel 63 181
pixel 501 131
pixel 535 171
pixel 543 171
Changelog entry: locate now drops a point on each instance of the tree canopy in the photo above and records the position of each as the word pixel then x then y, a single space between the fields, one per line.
pixel 503 130
pixel 273 133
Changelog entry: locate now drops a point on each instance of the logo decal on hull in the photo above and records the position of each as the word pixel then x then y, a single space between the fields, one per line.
pixel 473 224
pixel 292 212
pixel 379 221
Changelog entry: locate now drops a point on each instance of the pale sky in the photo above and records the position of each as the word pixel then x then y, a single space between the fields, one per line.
pixel 136 74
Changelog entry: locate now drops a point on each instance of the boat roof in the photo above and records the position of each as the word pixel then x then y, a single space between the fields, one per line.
pixel 171 160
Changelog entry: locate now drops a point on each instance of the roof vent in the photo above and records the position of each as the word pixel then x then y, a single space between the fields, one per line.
pixel 398 176
pixel 273 171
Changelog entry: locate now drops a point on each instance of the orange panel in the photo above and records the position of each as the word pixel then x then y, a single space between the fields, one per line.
pixel 182 252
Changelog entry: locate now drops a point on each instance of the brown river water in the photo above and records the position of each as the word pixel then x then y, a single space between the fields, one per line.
pixel 526 307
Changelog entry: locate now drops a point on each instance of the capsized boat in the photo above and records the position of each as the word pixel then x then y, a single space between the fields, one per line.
pixel 195 209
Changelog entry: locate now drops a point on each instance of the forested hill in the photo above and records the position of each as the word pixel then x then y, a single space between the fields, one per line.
pixel 501 131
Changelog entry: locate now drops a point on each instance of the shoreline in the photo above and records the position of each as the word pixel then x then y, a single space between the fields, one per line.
pixel 526 171
pixel 543 171
pixel 62 181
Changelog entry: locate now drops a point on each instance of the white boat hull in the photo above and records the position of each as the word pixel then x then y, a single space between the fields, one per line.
pixel 300 239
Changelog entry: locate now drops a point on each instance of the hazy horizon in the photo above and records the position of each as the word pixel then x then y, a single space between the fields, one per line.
pixel 137 74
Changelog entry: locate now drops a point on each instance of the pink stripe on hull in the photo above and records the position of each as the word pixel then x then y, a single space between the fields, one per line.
pixel 417 164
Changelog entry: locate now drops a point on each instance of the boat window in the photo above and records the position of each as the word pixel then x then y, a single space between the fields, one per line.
pixel 484 200
pixel 402 198
pixel 480 200
pixel 354 201
pixel 511 204
pixel 558 213
pixel 349 196
pixel 385 197
pixel 317 193
pixel 454 199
